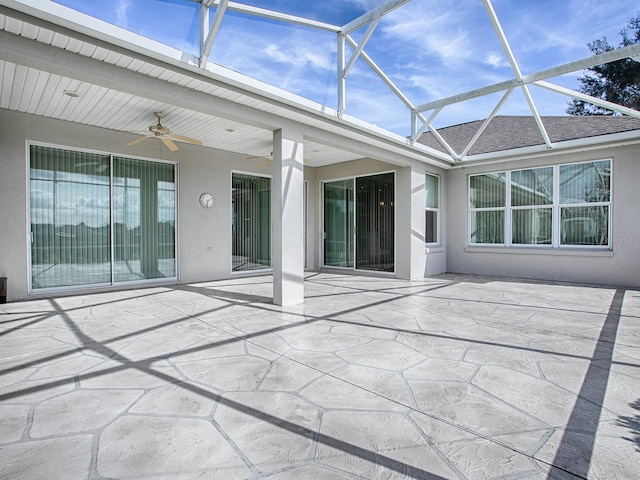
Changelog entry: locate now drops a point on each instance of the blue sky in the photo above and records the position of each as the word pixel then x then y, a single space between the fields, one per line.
pixel 429 48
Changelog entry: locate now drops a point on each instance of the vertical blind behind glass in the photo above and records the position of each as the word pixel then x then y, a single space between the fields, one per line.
pixel 70 218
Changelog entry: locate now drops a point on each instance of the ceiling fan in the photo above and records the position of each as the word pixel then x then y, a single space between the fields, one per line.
pixel 165 135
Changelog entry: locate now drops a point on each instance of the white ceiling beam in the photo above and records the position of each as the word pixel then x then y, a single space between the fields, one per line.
pixel 426 124
pixel 282 17
pixel 607 57
pixel 372 64
pixel 484 126
pixel 362 20
pixel 503 38
pixel 536 115
pixel 444 143
pixel 589 99
pixel 213 31
pixel 516 69
pixel 360 48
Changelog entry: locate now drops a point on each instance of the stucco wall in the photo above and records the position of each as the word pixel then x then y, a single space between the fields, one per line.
pixel 620 266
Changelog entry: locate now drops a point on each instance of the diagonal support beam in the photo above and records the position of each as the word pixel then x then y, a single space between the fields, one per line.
pixel 416 132
pixel 444 143
pixel 484 126
pixel 205 49
pixel 589 99
pixel 516 69
pixel 378 71
pixel 360 48
pixel 362 20
pixel 536 115
pixel 503 38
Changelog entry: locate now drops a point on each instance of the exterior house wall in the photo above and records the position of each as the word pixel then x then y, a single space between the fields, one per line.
pixel 619 266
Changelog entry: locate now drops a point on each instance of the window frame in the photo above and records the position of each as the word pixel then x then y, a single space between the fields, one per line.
pixel 231 220
pixel 112 283
pixel 556 210
pixel 432 209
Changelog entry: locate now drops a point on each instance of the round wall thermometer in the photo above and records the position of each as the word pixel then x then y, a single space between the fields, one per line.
pixel 206 200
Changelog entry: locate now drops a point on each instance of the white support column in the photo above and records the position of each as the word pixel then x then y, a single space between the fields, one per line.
pixel 287 218
pixel 410 222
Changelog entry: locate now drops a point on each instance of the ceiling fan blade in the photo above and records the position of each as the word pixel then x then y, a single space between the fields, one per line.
pixel 186 139
pixel 169 144
pixel 137 140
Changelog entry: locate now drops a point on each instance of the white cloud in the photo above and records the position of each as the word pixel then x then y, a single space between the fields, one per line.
pixel 496 60
pixel 121 12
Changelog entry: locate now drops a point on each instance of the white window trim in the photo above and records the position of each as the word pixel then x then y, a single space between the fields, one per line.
pixel 112 284
pixel 257 271
pixel 437 243
pixel 556 207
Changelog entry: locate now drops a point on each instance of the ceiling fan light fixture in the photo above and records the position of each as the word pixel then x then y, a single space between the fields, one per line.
pixel 71 93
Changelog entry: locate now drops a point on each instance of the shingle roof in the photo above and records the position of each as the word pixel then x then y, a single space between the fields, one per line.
pixel 509 132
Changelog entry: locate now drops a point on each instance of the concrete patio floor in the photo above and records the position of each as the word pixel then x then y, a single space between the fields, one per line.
pixel 448 377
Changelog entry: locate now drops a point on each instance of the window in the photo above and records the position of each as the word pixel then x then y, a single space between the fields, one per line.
pixel 487 196
pixel 551 206
pixel 585 195
pixel 250 222
pixel 532 206
pixel 99 219
pixel 432 209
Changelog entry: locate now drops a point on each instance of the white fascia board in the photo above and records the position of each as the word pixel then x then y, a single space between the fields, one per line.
pixel 79 22
pixel 569 146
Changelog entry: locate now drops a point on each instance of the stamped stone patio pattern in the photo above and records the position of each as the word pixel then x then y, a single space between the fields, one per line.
pixel 459 377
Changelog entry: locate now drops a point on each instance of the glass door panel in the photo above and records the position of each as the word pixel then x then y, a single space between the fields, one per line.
pixel 375 223
pixel 338 223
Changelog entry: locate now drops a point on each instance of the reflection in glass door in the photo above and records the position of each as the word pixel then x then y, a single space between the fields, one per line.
pixel 338 223
pixel 359 223
pixel 375 223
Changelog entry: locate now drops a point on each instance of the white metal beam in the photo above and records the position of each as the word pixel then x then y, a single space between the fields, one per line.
pixel 282 17
pixel 503 38
pixel 536 115
pixel 444 143
pixel 369 16
pixel 607 57
pixel 342 81
pixel 589 99
pixel 360 48
pixel 213 32
pixel 516 69
pixel 484 126
pixel 372 64
pixel 426 124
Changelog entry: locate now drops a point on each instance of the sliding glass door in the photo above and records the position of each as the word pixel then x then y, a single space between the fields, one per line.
pixel 375 223
pixel 251 222
pixel 338 224
pixel 359 223
pixel 98 219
